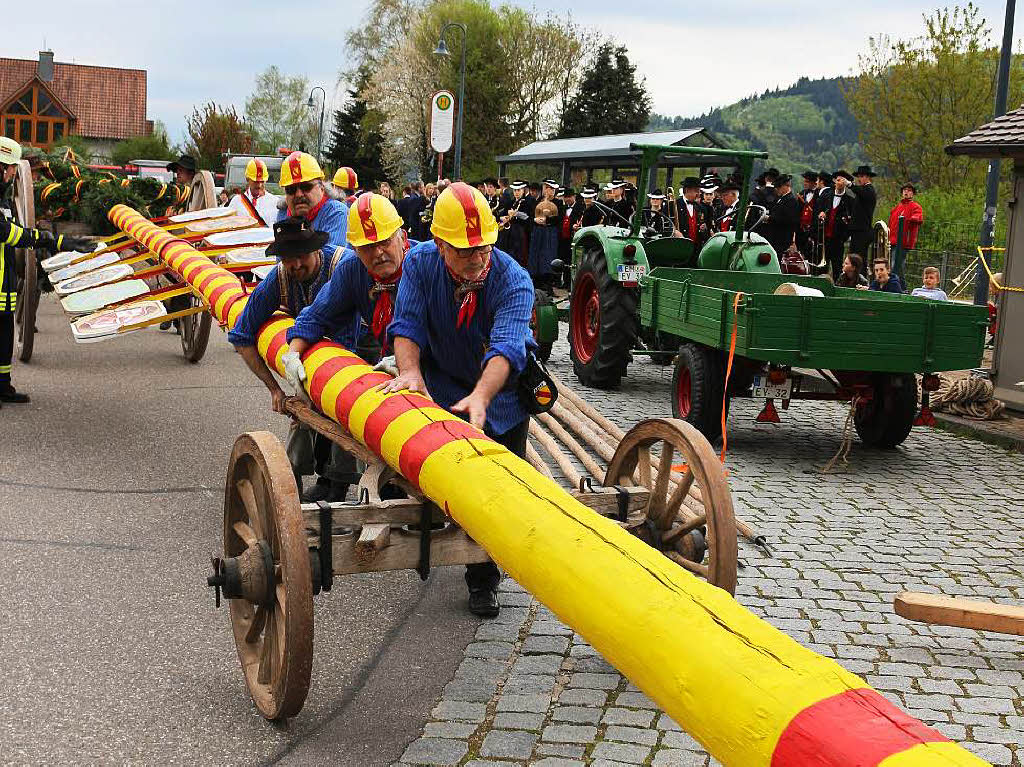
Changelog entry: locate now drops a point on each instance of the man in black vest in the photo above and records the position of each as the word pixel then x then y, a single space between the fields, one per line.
pixel 783 217
pixel 867 197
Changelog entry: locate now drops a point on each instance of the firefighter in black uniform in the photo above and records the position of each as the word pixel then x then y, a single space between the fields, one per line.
pixel 13 236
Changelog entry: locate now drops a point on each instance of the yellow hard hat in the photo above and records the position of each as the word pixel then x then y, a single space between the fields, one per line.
pixel 256 170
pixel 298 167
pixel 371 218
pixel 10 151
pixel 346 178
pixel 463 218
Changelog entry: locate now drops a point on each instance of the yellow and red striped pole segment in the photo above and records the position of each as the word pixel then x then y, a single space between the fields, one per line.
pixel 747 692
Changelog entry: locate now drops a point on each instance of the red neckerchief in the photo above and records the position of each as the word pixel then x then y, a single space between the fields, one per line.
pixel 313 211
pixel 384 308
pixel 465 294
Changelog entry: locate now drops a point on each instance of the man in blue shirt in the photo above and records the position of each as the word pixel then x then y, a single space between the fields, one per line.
pixel 306 195
pixel 461 334
pixel 304 269
pixel 365 282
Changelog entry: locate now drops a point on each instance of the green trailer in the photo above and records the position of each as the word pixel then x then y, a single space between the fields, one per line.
pixel 851 345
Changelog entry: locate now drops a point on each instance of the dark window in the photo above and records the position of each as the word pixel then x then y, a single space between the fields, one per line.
pixel 58 131
pixel 25 131
pixel 9 127
pixel 23 106
pixel 42 132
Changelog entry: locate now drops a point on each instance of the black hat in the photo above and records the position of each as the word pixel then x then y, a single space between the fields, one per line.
pixel 185 162
pixel 809 175
pixel 657 194
pixel 824 177
pixel 294 236
pixel 729 186
pixel 691 182
pixel 588 193
pixel 845 174
pixel 784 179
pixel 864 170
pixel 772 173
pixel 568 192
pixel 760 179
pixel 551 182
pixel 517 184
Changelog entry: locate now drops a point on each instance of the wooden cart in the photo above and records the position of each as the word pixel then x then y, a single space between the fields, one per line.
pixel 663 482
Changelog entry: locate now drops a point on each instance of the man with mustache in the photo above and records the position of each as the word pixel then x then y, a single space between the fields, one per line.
pixel 461 333
pixel 305 195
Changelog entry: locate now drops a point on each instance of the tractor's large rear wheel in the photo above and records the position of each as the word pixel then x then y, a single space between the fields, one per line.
pixel 697 389
pixel 886 419
pixel 602 323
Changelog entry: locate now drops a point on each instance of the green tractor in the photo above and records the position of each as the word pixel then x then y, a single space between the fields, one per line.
pixel 609 263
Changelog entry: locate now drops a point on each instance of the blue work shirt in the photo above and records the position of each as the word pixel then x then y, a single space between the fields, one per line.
pixel 265 299
pixel 346 294
pixel 453 358
pixel 331 218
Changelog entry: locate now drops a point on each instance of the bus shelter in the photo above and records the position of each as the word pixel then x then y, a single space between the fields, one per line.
pixel 581 160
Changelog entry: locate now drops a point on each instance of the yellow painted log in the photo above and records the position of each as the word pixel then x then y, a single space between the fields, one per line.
pixel 747 692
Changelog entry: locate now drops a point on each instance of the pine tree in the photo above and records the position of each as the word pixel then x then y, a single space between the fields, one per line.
pixel 610 98
pixel 355 139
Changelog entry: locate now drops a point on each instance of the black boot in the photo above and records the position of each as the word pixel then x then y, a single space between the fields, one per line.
pixel 319 492
pixel 9 394
pixel 338 492
pixel 484 602
pixel 482 578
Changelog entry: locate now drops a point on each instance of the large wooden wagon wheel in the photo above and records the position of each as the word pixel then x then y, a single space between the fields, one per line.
pixel 677 464
pixel 28 268
pixel 266 575
pixel 195 332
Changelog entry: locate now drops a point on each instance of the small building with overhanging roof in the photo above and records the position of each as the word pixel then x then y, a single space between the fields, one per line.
pixel 576 160
pixel 1003 138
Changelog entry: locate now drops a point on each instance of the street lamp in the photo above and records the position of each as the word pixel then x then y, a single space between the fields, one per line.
pixel 442 50
pixel 323 103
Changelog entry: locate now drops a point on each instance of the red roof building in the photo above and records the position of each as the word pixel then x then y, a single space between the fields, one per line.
pixel 43 101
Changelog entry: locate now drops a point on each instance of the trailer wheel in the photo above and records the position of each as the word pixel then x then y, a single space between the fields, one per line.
pixel 697 379
pixel 602 323
pixel 885 421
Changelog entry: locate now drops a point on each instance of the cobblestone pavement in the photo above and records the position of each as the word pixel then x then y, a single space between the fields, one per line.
pixel 939 514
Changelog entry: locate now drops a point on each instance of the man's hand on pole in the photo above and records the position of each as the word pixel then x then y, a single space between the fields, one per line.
pixel 294 370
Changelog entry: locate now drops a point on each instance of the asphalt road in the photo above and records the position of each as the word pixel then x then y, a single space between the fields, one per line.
pixel 111 485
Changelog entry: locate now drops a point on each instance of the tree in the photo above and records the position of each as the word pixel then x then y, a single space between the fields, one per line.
pixel 914 97
pixel 355 138
pixel 609 100
pixel 276 112
pixel 212 132
pixel 155 146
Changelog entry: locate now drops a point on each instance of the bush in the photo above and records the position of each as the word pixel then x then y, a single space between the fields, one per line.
pixel 154 147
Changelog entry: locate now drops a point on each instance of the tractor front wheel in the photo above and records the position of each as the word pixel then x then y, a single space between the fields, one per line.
pixel 697 389
pixel 602 323
pixel 886 419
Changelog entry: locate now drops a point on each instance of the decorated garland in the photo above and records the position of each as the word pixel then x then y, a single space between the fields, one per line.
pixel 66 190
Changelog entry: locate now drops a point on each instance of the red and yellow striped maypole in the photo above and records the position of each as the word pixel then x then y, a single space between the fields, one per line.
pixel 748 693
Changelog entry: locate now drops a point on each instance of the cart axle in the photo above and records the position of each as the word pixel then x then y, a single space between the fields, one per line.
pixel 248 576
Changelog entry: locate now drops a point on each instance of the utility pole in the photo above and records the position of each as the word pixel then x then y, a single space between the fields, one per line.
pixel 988 222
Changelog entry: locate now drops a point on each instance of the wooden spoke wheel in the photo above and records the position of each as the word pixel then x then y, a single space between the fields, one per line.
pixel 28 303
pixel 689 514
pixel 195 332
pixel 266 550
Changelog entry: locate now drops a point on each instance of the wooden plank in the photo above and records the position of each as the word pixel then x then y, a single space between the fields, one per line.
pixel 450 546
pixel 372 539
pixel 955 611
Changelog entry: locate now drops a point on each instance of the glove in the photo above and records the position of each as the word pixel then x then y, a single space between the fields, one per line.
pixel 294 372
pixel 46 241
pixel 387 365
pixel 521 216
pixel 78 244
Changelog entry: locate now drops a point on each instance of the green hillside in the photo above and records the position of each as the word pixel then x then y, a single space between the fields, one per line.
pixel 804 126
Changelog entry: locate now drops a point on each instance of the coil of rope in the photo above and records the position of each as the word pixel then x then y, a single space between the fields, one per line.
pixel 968 397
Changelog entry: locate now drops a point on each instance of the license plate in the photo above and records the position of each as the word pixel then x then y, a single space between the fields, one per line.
pixel 631 272
pixel 763 389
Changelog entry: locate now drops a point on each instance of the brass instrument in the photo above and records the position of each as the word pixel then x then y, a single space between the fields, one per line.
pixel 821 244
pixel 507 223
pixel 671 194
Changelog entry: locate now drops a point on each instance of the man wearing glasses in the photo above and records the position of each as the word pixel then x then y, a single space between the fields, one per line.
pixel 305 195
pixel 461 331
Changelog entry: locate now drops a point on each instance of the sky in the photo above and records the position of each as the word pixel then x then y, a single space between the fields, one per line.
pixel 694 55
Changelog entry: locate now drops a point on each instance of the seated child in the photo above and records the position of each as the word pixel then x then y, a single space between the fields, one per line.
pixel 884 279
pixel 930 289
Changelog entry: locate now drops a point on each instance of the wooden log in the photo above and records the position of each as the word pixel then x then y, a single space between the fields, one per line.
pixel 545 441
pixel 955 611
pixel 372 539
pixel 581 405
pixel 579 426
pixel 536 461
pixel 573 444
